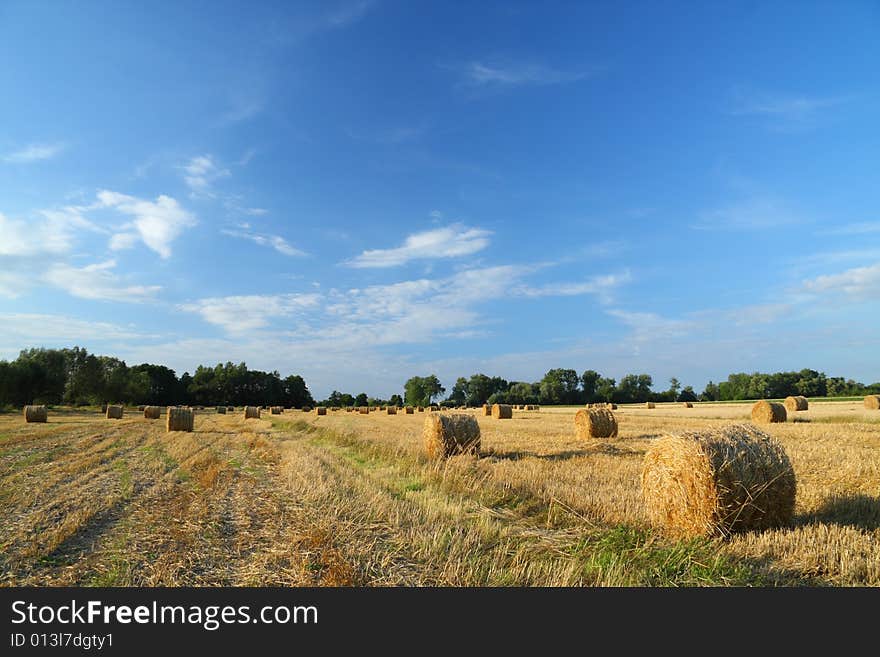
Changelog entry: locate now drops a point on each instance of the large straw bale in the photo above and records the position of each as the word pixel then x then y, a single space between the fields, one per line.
pixel 717 482
pixel 448 434
pixel 179 418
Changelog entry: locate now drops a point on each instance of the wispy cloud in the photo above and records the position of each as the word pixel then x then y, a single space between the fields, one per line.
pixel 860 228
pixel 55 233
pixel 750 214
pixel 43 329
pixel 448 242
pixel 785 106
pixel 600 286
pixel 514 74
pixel 200 173
pixel 157 223
pixel 237 314
pixel 273 241
pixel 98 281
pixel 347 13
pixel 649 327
pixel 34 153
pixel 859 283
pixel 407 312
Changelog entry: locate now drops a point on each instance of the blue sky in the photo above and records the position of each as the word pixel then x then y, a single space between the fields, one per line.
pixel 363 191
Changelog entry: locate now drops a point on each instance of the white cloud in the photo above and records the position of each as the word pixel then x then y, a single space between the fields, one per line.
pixel 498 74
pixel 13 285
pixel 158 223
pixel 650 327
pixel 862 228
pixel 273 241
pixel 348 14
pixel 54 234
pixel 601 286
pixel 200 173
pixel 97 282
pixel 785 106
pixel 857 283
pixel 238 314
pixel 449 242
pixel 35 329
pixel 34 153
pixel 751 214
pixel 122 241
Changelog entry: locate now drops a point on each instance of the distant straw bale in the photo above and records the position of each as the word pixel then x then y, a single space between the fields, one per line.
pixel 764 412
pixel 36 414
pixel 797 403
pixel 595 423
pixel 179 419
pixel 502 411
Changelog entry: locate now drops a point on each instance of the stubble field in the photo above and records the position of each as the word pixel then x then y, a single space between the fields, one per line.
pixel 351 500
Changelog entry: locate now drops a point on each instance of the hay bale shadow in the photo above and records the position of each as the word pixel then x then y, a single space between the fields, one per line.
pixel 860 511
pixel 598 448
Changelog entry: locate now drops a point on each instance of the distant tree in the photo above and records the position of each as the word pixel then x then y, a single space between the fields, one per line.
pixel 605 389
pixel 590 386
pixel 559 386
pixel 710 393
pixel 421 390
pixel 688 395
pixel 361 399
pixel 459 393
pixel 396 400
pixel 674 387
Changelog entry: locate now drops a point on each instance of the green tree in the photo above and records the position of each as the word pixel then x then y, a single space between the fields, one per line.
pixel 559 386
pixel 421 390
pixel 590 385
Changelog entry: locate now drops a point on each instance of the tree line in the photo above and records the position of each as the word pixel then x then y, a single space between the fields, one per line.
pixel 78 378
pixel 75 377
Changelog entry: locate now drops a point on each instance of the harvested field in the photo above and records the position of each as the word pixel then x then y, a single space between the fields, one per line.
pixel 350 499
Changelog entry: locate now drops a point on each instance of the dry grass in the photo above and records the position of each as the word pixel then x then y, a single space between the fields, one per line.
pixel 349 499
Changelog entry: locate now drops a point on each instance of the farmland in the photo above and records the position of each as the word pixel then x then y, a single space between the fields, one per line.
pixel 351 500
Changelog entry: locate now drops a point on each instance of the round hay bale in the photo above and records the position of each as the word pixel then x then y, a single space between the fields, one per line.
pixel 613 407
pixel 221 410
pixel 872 402
pixel 650 405
pixel 179 419
pixel 794 404
pixel 275 410
pixel 364 410
pixel 230 409
pixel 502 411
pixel 487 410
pixel 321 410
pixel 114 412
pixel 152 412
pixel 408 410
pixel 391 410
pixel 595 423
pixel 717 482
pixel 36 414
pixel 251 412
pixel 421 409
pixel 687 404
pixel 141 407
pixel 451 433
pixel 764 412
